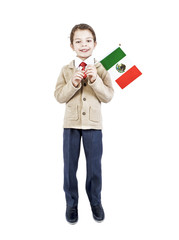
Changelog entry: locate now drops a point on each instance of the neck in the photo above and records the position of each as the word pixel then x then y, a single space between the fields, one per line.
pixel 83 59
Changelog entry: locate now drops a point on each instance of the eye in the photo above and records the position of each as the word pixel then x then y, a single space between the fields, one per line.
pixel 89 40
pixel 77 42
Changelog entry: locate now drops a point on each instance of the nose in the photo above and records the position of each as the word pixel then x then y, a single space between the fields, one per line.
pixel 84 44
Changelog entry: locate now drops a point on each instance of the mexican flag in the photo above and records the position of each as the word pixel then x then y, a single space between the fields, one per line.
pixel 120 67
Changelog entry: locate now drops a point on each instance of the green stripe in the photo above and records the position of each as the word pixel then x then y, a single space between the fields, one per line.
pixel 112 58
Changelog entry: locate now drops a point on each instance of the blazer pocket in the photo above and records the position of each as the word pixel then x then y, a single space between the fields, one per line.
pixel 72 112
pixel 94 114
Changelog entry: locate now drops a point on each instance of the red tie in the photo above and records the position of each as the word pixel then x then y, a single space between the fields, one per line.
pixel 83 65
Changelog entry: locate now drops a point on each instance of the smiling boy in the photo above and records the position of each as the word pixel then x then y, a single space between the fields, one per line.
pixel 83 85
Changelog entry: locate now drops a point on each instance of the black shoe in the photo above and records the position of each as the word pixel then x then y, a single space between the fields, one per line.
pixel 98 213
pixel 72 214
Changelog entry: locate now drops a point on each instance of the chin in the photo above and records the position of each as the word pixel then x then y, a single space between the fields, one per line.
pixel 87 55
pixel 84 56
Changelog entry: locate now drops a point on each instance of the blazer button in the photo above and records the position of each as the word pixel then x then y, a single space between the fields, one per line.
pixel 84 99
pixel 84 113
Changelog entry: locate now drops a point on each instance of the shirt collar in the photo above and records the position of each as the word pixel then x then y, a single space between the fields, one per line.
pixel 89 61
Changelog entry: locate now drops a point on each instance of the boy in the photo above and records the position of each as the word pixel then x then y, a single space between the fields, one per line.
pixel 83 85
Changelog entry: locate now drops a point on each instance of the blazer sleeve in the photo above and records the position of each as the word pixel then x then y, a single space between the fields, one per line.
pixel 64 89
pixel 102 86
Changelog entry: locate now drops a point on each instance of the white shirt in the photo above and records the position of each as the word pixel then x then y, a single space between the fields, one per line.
pixel 89 61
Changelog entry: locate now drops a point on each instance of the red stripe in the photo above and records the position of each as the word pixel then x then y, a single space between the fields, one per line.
pixel 128 77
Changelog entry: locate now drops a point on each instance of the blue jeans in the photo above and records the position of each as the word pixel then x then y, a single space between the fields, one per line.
pixel 92 143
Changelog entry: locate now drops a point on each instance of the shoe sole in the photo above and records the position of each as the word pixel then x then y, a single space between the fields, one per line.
pixel 72 223
pixel 98 220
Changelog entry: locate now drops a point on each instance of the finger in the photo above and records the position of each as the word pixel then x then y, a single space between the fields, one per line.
pixel 90 68
pixel 79 78
pixel 79 71
pixel 79 74
pixel 90 65
pixel 90 72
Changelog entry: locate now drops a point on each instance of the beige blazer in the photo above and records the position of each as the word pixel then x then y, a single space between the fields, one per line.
pixel 83 103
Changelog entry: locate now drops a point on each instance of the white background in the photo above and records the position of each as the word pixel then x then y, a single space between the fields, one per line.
pixel 140 162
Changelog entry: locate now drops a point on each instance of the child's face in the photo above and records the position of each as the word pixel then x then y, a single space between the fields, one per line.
pixel 83 43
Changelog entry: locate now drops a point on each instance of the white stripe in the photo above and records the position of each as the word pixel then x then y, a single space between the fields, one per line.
pixel 114 73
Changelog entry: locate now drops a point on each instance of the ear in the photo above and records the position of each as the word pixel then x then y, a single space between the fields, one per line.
pixel 95 44
pixel 71 45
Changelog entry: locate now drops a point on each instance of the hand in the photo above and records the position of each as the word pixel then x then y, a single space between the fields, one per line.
pixel 91 73
pixel 77 77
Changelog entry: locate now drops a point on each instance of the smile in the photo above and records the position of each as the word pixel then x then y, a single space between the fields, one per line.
pixel 84 50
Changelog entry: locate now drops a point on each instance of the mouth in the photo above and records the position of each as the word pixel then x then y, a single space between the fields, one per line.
pixel 84 50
